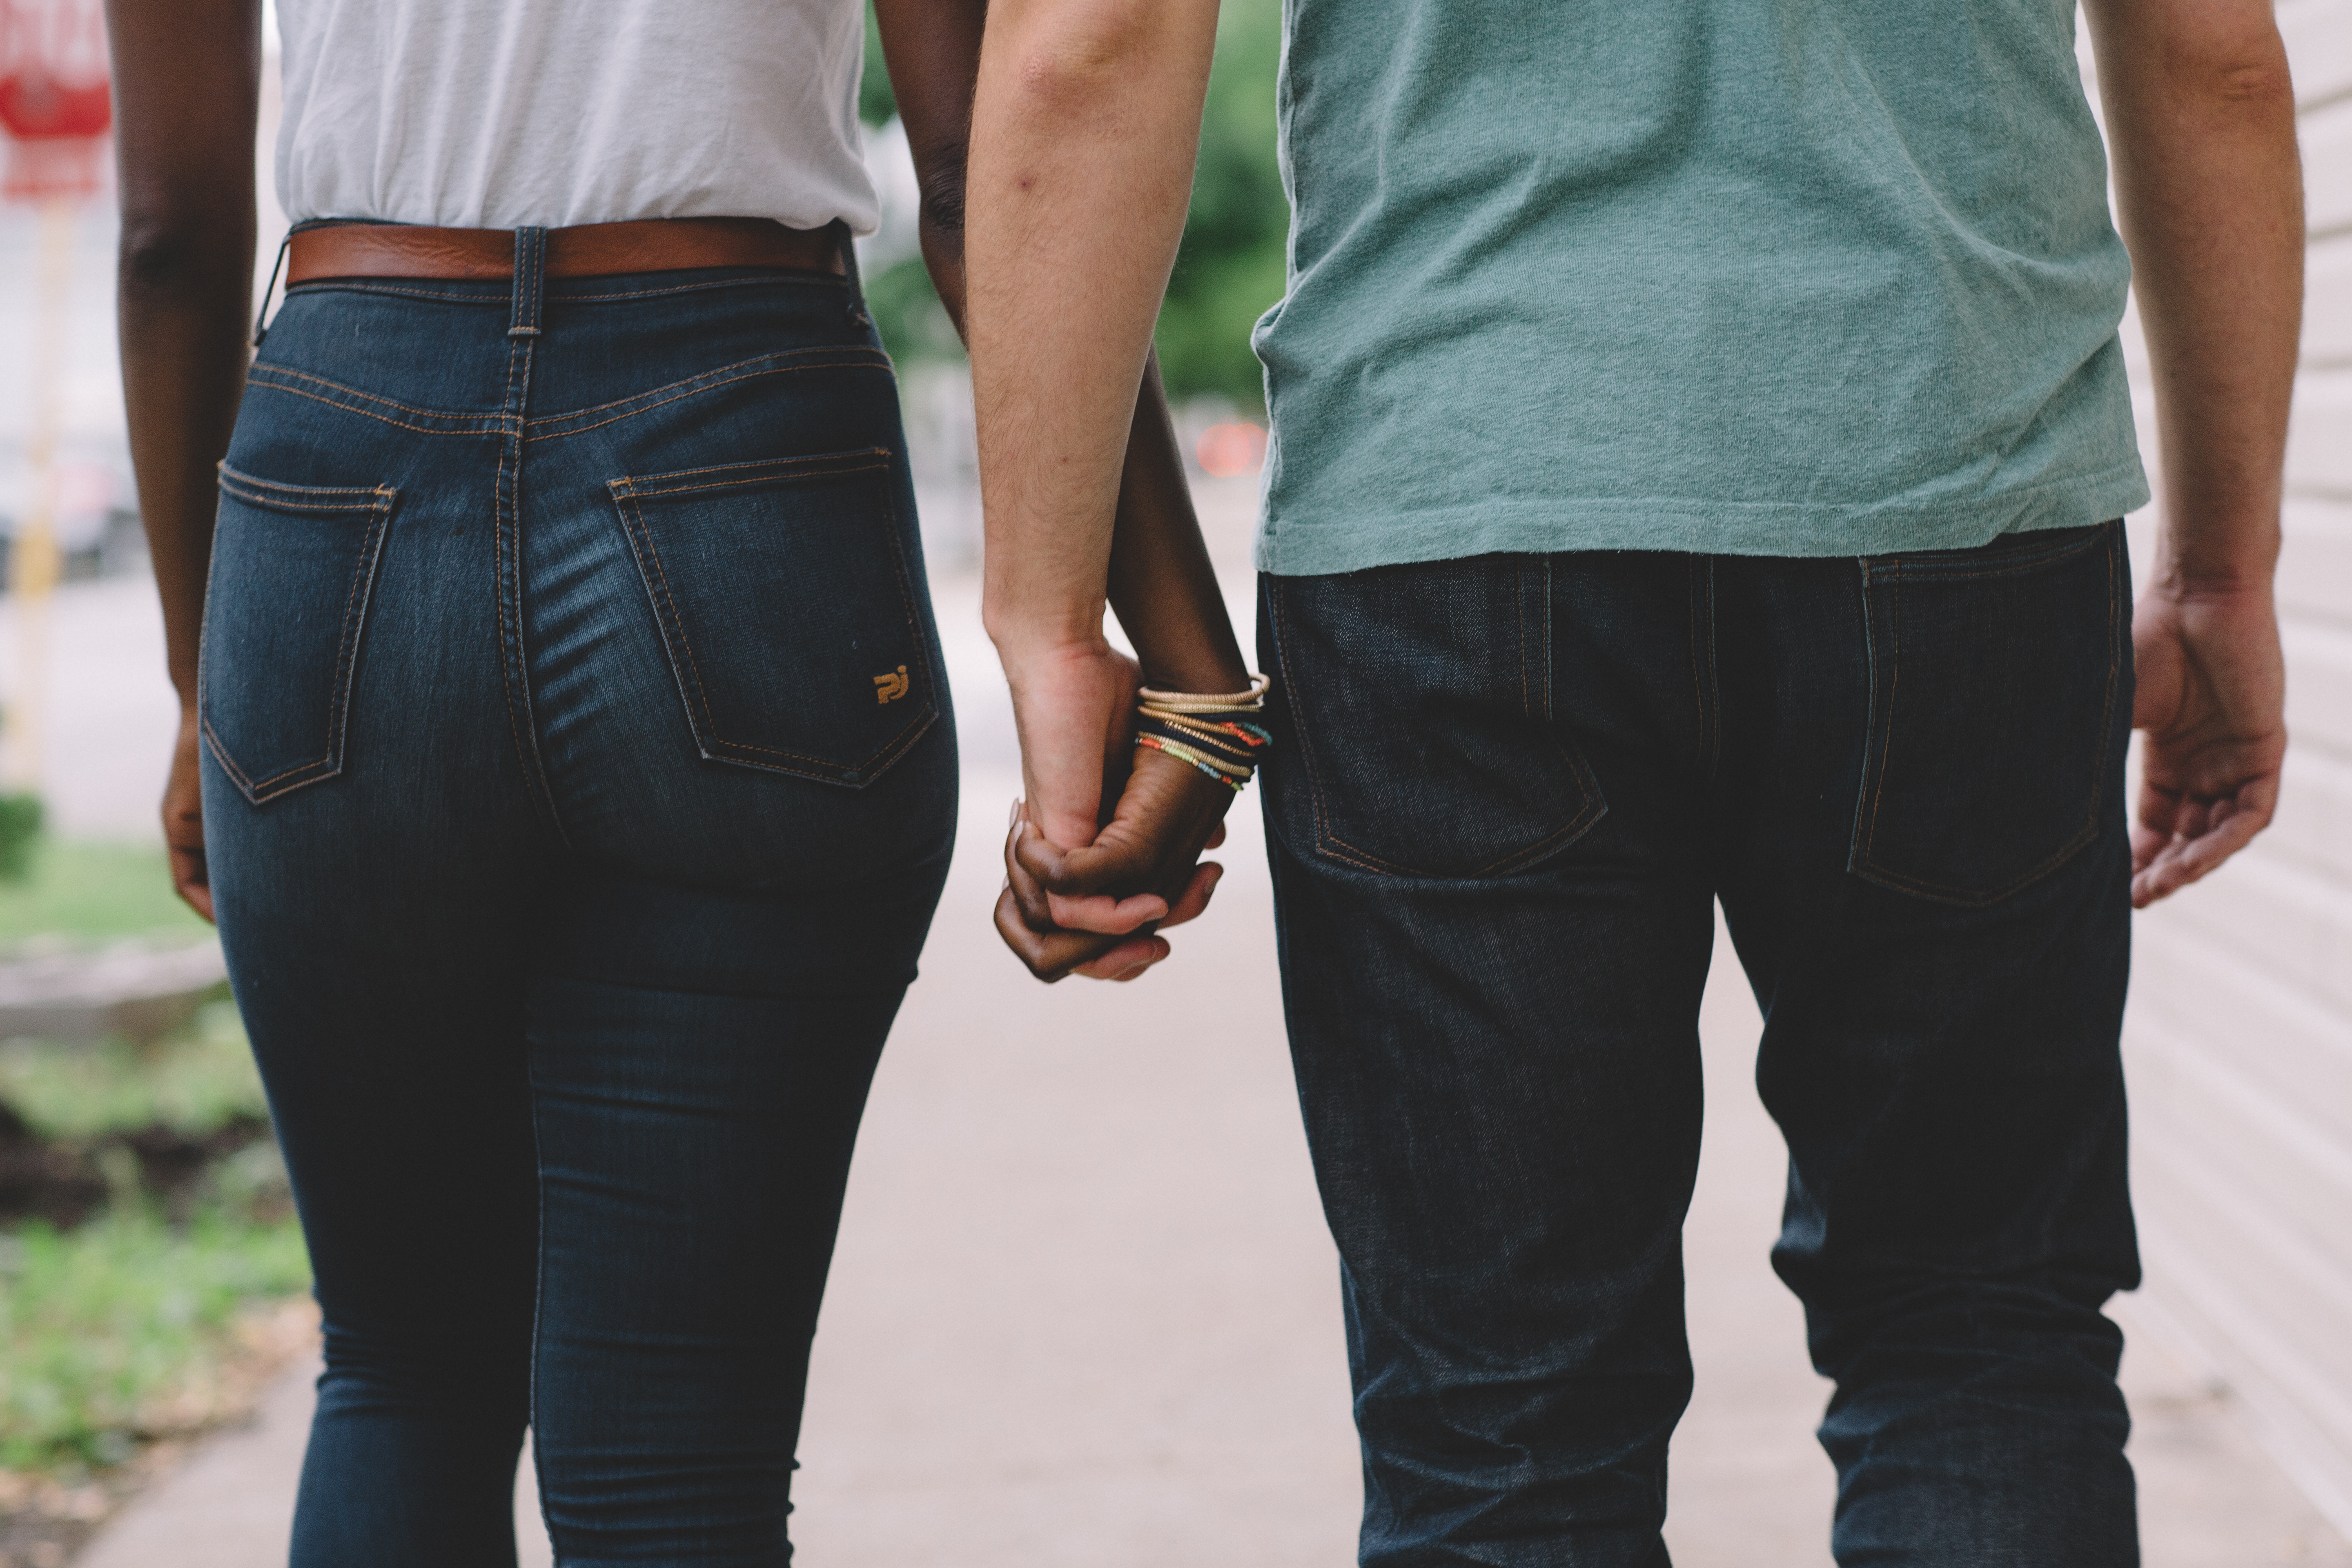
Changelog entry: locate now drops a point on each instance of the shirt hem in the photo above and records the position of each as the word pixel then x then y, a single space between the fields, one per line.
pixel 1304 544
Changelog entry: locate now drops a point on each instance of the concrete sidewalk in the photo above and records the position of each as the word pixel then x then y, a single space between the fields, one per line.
pixel 1085 1311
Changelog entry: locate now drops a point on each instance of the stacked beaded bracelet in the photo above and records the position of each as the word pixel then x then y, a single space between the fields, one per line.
pixel 1215 734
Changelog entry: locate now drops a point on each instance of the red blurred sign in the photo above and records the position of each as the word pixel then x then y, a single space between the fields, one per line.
pixel 55 100
pixel 1231 450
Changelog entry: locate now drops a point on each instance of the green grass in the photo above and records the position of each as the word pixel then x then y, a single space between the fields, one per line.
pixel 102 1325
pixel 91 892
pixel 198 1082
pixel 115 1331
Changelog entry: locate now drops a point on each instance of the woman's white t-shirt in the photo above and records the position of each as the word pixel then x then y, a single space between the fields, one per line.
pixel 502 113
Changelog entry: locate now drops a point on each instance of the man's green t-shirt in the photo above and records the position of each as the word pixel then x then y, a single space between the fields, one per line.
pixel 1753 277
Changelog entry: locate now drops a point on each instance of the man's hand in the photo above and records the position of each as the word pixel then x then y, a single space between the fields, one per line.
pixel 1084 894
pixel 2201 138
pixel 1072 704
pixel 183 818
pixel 2212 687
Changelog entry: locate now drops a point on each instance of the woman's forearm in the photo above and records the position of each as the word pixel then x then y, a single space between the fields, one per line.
pixel 182 372
pixel 1084 124
pixel 1161 585
pixel 187 76
pixel 932 47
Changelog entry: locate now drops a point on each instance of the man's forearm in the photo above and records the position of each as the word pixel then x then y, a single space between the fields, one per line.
pixel 1084 125
pixel 2200 123
pixel 1159 576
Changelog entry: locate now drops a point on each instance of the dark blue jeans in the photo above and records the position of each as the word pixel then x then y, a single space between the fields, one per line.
pixel 1508 794
pixel 580 783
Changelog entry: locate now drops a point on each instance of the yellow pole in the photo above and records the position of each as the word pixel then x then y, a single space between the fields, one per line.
pixel 34 564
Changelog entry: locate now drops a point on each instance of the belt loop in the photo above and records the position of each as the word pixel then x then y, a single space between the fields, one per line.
pixel 529 280
pixel 260 331
pixel 849 273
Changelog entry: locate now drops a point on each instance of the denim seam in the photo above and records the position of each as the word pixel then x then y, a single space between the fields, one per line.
pixel 539 1305
pixel 1543 655
pixel 231 478
pixel 1894 682
pixel 753 479
pixel 1326 842
pixel 1705 691
pixel 485 424
pixel 1866 814
pixel 254 791
pixel 861 356
pixel 488 423
pixel 507 501
pixel 499 555
pixel 267 373
pixel 354 286
pixel 1964 565
pixel 650 401
pixel 799 277
pixel 1519 607
pixel 766 467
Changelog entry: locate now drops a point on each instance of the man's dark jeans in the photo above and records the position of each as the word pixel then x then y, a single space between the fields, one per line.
pixel 1508 791
pixel 578 784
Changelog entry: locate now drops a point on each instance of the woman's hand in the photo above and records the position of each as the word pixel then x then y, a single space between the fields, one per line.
pixel 183 817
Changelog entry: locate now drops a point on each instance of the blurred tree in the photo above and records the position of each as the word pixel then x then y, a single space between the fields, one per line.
pixel 1231 264
pixel 876 102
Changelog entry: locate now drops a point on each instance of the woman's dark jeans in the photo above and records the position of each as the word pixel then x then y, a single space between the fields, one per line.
pixel 579 784
pixel 1507 792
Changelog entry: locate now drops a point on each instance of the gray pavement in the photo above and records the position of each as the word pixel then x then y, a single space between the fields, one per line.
pixel 1085 1311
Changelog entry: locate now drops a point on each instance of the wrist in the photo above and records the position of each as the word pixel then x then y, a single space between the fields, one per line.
pixel 1027 651
pixel 2212 581
pixel 2224 549
pixel 1032 634
pixel 1200 673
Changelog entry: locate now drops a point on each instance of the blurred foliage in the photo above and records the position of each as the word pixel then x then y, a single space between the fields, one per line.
pixel 1230 268
pixel 195 1084
pixel 116 1329
pixel 906 308
pixel 92 892
pixel 100 1325
pixel 876 102
pixel 20 829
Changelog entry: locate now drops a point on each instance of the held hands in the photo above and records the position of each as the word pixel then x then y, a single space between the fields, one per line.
pixel 1087 892
pixel 2212 687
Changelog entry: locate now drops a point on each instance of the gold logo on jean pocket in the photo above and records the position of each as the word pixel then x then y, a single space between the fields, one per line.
pixel 890 688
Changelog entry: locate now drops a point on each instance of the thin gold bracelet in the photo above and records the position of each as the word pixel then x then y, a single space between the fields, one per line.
pixel 1170 703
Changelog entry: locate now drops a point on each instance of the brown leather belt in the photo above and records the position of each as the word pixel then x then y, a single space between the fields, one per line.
pixel 588 251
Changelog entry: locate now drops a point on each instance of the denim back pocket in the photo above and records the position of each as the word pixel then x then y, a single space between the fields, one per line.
pixel 292 569
pixel 1998 679
pixel 1419 700
pixel 790 617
